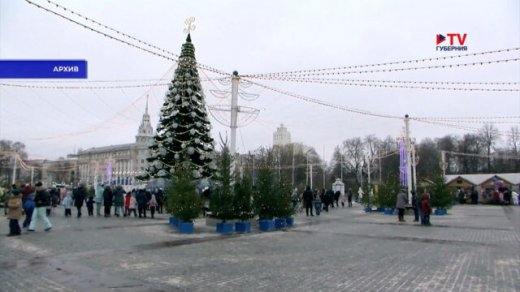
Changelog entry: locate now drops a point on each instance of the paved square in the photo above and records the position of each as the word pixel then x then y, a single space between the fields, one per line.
pixel 474 248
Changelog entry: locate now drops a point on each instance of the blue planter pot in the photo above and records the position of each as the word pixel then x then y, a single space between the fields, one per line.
pixel 280 223
pixel 441 212
pixel 290 221
pixel 380 209
pixel 185 227
pixel 368 210
pixel 171 220
pixel 266 225
pixel 389 211
pixel 175 221
pixel 225 227
pixel 242 226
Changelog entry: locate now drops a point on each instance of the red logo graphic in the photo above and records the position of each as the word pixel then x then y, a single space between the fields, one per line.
pixel 440 38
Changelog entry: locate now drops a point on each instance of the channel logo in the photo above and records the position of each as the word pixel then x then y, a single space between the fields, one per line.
pixel 440 38
pixel 461 38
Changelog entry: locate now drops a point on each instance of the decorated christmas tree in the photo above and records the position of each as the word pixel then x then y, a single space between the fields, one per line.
pixel 183 132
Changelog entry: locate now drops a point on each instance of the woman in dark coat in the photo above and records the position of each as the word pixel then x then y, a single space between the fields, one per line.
pixel 107 200
pixel 79 197
pixel 119 200
pixel 141 202
pixel 425 209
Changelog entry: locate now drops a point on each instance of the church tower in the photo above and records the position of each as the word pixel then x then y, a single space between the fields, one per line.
pixel 143 140
pixel 145 133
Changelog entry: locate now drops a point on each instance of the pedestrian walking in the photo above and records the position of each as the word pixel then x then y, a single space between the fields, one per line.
pixel 317 206
pixel 330 197
pixel 337 194
pixel 128 197
pixel 141 202
pixel 160 200
pixel 515 198
pixel 416 205
pixel 401 203
pixel 343 199
pixel 15 213
pixel 28 207
pixel 26 191
pixel 119 200
pixel 79 197
pixel 90 205
pixel 461 196
pixel 107 200
pixel 324 201
pixel 67 205
pixel 307 200
pixel 41 200
pixel 425 210
pixel 474 197
pixel 152 204
pixel 349 197
pixel 132 205
pixel 99 198
pixel 295 198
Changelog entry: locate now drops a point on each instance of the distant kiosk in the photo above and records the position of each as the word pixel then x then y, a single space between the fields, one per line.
pixel 338 185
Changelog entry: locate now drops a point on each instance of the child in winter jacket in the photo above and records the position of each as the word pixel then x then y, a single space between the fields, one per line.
pixel 132 205
pixel 90 205
pixel 153 204
pixel 67 204
pixel 128 197
pixel 28 207
pixel 15 213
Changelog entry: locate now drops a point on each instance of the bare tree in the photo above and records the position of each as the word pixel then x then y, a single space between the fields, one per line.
pixel 514 141
pixel 490 138
pixel 354 155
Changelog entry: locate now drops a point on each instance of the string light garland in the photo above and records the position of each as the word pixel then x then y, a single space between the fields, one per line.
pixel 465 128
pixel 387 86
pixel 323 103
pixel 260 76
pixel 383 64
pixel 467 118
pixel 85 87
pixel 505 157
pixel 395 81
pixel 363 112
pixel 203 67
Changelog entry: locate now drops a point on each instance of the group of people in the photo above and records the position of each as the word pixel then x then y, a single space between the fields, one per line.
pixel 420 204
pixel 126 203
pixel 37 203
pixel 325 199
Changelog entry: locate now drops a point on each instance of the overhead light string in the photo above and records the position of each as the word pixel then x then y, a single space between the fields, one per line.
pixel 299 72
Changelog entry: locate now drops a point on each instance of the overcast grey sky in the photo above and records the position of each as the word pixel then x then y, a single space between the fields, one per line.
pixel 258 37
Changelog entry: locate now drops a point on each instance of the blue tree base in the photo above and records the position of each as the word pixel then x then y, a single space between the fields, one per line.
pixel 389 211
pixel 186 227
pixel 243 226
pixel 280 223
pixel 441 212
pixel 225 227
pixel 290 221
pixel 368 210
pixel 266 225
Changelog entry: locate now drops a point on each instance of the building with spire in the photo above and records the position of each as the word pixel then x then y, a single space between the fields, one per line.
pixel 117 164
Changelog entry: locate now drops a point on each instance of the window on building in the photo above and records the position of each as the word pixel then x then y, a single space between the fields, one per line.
pixel 142 160
pixel 142 168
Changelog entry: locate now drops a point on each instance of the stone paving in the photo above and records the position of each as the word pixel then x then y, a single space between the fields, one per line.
pixel 474 248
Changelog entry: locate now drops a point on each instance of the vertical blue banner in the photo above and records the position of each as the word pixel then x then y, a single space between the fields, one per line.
pixel 43 69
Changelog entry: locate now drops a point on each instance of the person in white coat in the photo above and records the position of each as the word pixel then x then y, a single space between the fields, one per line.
pixel 99 198
pixel 515 198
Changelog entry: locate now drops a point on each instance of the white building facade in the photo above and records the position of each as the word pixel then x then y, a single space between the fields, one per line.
pixel 117 164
